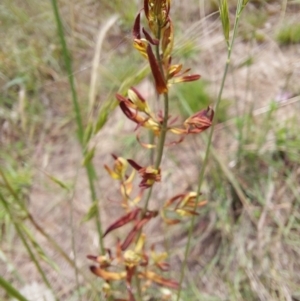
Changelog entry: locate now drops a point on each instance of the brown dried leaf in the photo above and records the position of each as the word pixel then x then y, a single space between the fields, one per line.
pixel 148 37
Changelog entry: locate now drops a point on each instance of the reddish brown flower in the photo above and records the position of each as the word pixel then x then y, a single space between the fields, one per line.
pixel 149 174
pixel 159 259
pixel 182 205
pixel 200 121
pixel 134 105
pixel 138 101
pixel 160 84
pixel 157 13
pixel 176 76
pixel 167 42
pixel 137 227
pixel 149 275
pixel 123 220
pixel 119 169
pixel 106 275
pixel 140 43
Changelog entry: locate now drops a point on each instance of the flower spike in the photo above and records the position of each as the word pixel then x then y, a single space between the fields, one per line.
pixel 132 257
pixel 157 13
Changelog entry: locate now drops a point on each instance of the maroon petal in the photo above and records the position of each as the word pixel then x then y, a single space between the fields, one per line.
pixel 149 38
pixel 146 8
pixel 136 30
pixel 134 164
pixel 160 84
pixel 125 219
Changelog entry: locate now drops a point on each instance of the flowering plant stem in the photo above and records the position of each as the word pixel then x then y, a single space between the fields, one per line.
pixel 239 10
pixel 163 134
pixel 138 264
pixel 160 151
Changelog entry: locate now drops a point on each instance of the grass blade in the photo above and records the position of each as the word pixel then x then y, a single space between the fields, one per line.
pixel 11 291
pixel 89 167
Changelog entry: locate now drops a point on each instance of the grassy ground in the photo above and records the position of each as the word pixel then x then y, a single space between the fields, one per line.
pixel 246 241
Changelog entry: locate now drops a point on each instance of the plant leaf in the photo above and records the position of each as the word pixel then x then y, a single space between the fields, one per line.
pixel 59 182
pixel 89 156
pixel 102 118
pixel 148 37
pixel 90 214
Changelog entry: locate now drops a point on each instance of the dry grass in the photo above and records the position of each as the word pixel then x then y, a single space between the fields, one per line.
pixel 246 243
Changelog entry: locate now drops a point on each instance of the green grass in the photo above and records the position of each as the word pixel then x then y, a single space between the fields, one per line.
pixel 289 34
pixel 192 97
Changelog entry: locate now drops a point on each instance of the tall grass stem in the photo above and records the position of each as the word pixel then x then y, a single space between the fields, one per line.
pixel 239 10
pixel 89 167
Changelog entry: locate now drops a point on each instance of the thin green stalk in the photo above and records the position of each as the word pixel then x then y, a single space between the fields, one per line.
pixel 163 134
pixel 68 63
pixel 239 10
pixel 147 199
pixel 138 285
pixel 80 130
pixel 151 141
pixel 161 144
pixel 73 243
pixel 10 290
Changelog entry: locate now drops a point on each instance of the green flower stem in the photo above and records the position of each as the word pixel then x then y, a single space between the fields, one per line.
pixel 161 144
pixel 164 128
pixel 163 134
pixel 89 167
pixel 151 141
pixel 207 151
pixel 138 285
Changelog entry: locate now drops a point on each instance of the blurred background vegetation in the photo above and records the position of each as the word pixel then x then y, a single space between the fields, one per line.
pixel 246 242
